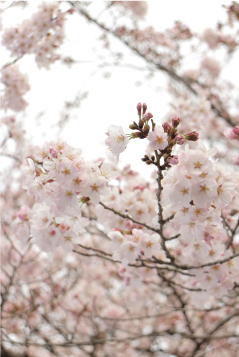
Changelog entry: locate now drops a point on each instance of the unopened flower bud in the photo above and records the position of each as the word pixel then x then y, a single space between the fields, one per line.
pixel 233 134
pixel 144 108
pixel 179 139
pixel 167 127
pixel 133 126
pixel 147 116
pixel 193 136
pixel 145 158
pixel 175 122
pixel 139 107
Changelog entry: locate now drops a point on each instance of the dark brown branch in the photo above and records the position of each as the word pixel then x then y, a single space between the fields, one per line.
pixel 126 216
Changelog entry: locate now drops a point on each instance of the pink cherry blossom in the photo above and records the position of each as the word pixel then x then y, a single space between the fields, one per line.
pixel 157 138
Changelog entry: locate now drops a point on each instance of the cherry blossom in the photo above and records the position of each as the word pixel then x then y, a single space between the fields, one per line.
pixel 116 140
pixel 157 138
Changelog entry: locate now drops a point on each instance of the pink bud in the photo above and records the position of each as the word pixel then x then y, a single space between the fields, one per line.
pixel 233 134
pixel 54 153
pixel 147 116
pixel 139 107
pixel 175 122
pixel 167 127
pixel 180 139
pixel 144 108
pixel 193 136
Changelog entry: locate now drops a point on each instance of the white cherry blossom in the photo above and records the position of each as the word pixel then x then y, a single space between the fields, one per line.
pixel 204 192
pixel 181 192
pixel 149 244
pixel 196 251
pixel 116 140
pixel 158 139
pixel 42 152
pixel 97 186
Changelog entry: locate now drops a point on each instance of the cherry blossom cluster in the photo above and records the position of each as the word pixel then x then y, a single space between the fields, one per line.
pixel 180 31
pixel 214 38
pixel 160 138
pixel 191 114
pixel 196 198
pixel 129 241
pixel 198 113
pixel 197 190
pixel 41 35
pixel 16 86
pixel 60 181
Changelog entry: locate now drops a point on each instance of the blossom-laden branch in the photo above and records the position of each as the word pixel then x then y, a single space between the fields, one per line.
pixel 152 58
pixel 189 182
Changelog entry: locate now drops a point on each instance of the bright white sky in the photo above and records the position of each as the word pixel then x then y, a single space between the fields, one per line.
pixel 109 101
